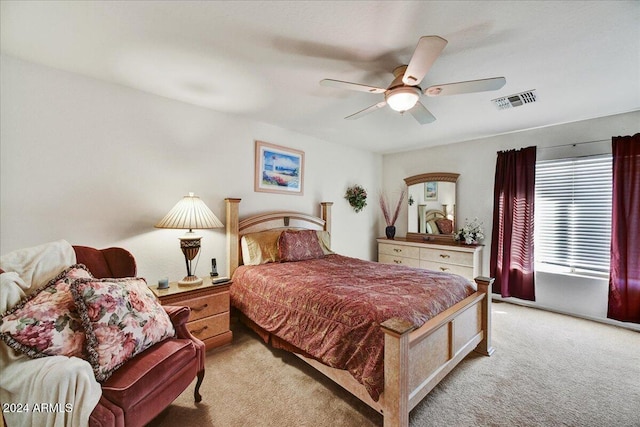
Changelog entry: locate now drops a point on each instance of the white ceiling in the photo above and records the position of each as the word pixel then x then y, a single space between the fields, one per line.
pixel 263 59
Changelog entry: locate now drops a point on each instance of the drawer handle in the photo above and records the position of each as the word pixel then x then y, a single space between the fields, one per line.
pixel 396 250
pixel 445 256
pixel 202 307
pixel 397 261
pixel 198 331
pixel 443 268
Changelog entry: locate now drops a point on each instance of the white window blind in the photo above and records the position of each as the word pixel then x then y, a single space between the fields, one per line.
pixel 573 213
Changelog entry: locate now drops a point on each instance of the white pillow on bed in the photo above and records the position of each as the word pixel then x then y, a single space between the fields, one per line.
pixel 262 247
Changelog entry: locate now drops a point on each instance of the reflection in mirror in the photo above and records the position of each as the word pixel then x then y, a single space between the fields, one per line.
pixel 432 205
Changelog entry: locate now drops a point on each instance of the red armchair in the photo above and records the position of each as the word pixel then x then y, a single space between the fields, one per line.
pixel 143 387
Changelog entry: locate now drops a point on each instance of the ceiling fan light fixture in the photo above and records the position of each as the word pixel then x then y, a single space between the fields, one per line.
pixel 403 98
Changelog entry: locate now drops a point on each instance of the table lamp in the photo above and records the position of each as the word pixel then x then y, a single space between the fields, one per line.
pixel 190 213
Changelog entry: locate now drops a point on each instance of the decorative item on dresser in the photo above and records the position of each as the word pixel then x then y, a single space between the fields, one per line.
pixel 390 219
pixel 209 303
pixel 450 257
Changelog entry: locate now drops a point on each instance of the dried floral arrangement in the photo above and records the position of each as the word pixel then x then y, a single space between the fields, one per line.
pixel 391 219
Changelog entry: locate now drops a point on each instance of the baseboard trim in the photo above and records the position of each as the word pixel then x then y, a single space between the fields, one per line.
pixel 516 301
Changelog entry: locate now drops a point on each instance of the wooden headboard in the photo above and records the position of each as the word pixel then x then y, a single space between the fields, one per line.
pixel 237 228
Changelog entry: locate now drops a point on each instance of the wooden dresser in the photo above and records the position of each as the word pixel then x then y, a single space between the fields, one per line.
pixel 465 260
pixel 210 306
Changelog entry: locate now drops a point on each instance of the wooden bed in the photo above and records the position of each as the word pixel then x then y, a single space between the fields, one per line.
pixel 415 359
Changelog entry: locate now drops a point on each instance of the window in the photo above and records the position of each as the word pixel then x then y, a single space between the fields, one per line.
pixel 573 213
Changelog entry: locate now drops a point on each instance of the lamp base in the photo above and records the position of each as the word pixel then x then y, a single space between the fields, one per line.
pixel 190 281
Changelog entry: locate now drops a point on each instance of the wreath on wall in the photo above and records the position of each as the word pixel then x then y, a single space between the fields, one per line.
pixel 357 197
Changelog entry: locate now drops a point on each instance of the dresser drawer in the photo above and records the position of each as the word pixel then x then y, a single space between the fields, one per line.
pixel 399 250
pixel 397 260
pixel 209 326
pixel 446 256
pixel 460 270
pixel 207 305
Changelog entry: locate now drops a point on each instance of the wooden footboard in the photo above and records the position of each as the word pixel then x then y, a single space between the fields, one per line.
pixel 415 359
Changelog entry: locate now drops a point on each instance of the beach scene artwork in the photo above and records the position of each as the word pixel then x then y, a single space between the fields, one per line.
pixel 279 169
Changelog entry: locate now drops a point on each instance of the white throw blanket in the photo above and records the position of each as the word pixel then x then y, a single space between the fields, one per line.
pixel 51 391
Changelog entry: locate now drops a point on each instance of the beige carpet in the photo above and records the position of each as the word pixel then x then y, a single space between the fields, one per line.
pixel 548 370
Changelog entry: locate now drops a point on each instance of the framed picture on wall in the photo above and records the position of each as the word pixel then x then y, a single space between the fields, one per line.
pixel 431 190
pixel 279 169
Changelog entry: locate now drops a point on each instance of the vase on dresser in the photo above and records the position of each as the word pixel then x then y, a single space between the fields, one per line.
pixel 390 231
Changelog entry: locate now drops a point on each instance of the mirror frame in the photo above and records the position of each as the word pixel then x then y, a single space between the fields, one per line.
pixel 427 177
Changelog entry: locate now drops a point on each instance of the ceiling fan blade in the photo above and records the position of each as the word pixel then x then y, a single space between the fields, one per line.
pixel 481 85
pixel 351 86
pixel 421 114
pixel 426 53
pixel 366 110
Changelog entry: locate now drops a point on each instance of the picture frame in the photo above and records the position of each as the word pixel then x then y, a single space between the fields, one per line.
pixel 278 169
pixel 431 190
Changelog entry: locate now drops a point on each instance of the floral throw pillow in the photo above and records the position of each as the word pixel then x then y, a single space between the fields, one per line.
pixel 299 245
pixel 47 322
pixel 122 318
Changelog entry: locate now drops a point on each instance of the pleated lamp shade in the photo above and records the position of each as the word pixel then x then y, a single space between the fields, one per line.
pixel 190 213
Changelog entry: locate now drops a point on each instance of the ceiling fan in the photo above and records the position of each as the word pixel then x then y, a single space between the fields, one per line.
pixel 404 92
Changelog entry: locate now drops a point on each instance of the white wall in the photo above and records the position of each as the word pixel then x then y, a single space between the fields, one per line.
pixel 475 162
pixel 99 164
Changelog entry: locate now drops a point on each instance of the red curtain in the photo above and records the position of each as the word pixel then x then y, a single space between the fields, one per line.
pixel 624 276
pixel 512 234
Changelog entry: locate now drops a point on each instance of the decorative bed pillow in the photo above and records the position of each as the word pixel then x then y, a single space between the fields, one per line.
pixel 260 248
pixel 121 317
pixel 47 322
pixel 299 245
pixel 445 226
pixel 325 241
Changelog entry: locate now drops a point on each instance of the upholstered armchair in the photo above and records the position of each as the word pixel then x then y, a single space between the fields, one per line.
pixel 136 390
pixel 142 388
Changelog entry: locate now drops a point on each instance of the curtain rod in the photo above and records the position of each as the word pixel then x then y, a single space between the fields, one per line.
pixel 577 143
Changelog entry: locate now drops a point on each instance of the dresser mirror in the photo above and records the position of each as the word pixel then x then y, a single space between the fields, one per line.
pixel 431 213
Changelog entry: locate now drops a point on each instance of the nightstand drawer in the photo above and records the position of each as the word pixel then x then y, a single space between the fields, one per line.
pixel 396 260
pixel 207 305
pixel 210 326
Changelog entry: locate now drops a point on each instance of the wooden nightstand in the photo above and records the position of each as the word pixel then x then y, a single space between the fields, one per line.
pixel 209 303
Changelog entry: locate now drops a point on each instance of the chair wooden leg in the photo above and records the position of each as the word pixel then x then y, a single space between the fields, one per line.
pixel 196 392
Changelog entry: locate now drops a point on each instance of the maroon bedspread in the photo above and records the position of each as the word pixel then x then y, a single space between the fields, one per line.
pixel 331 308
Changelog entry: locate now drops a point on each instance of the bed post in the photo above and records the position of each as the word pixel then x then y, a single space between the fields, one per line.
pixel 484 286
pixel 396 372
pixel 325 214
pixel 233 259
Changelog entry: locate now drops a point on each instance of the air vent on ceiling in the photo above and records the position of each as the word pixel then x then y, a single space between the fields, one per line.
pixel 515 100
